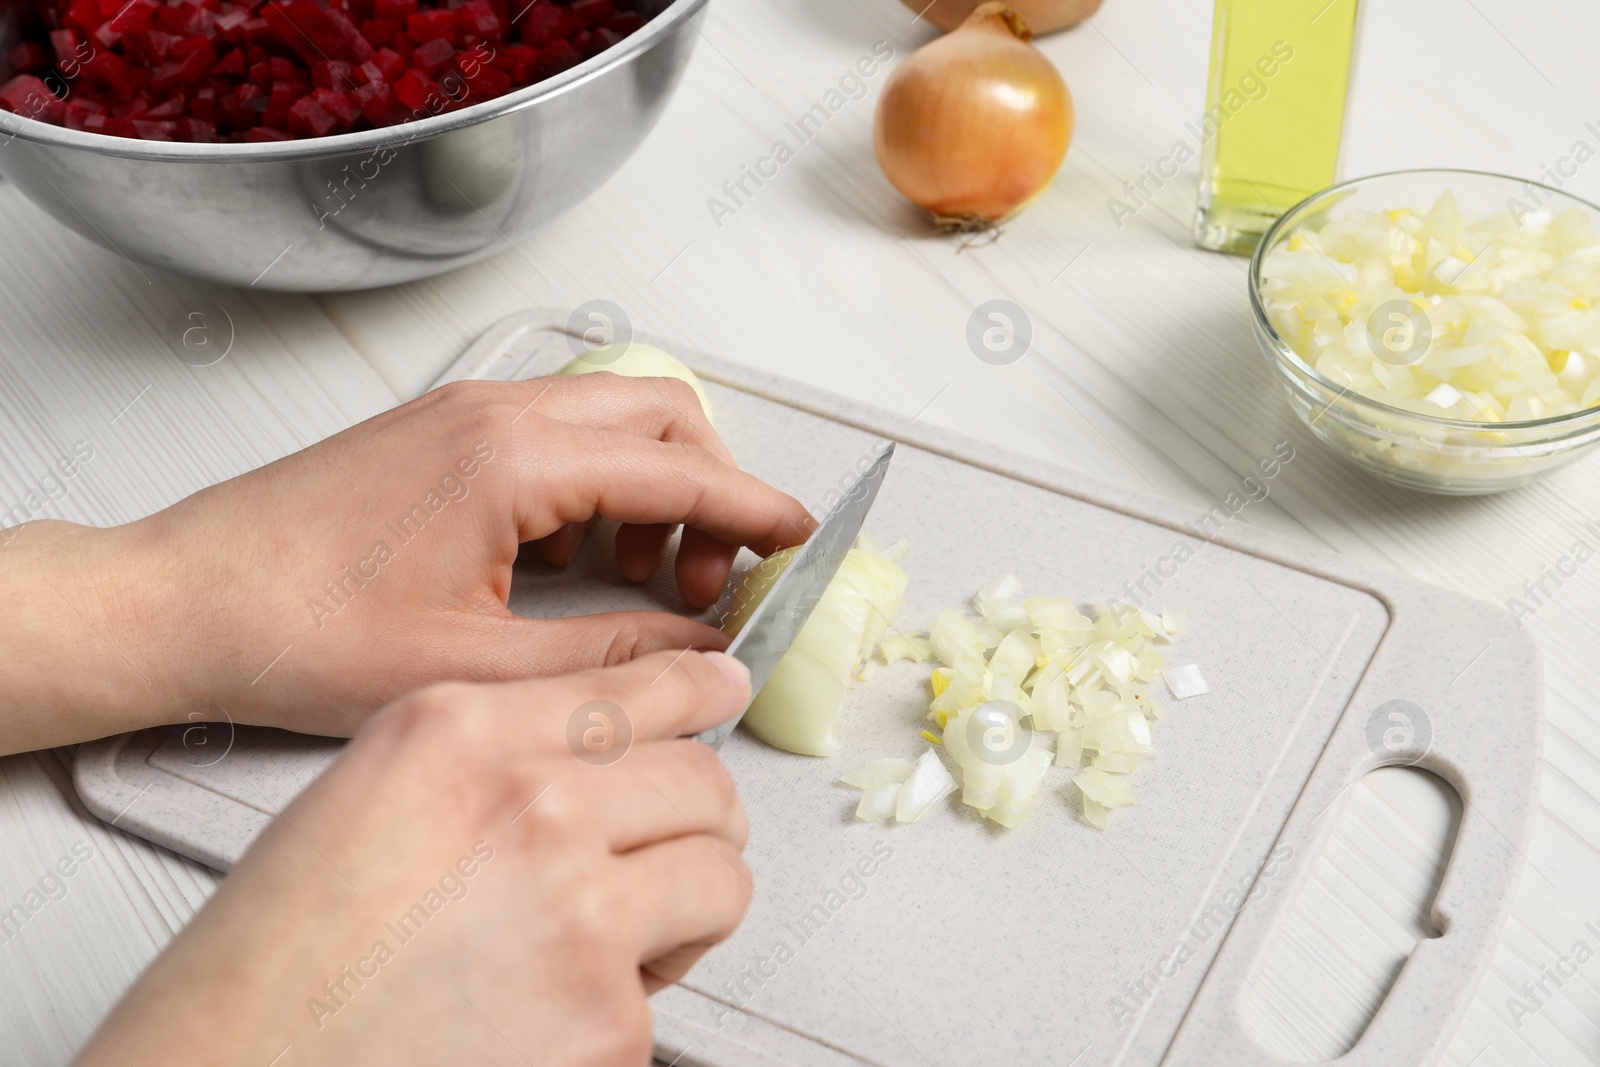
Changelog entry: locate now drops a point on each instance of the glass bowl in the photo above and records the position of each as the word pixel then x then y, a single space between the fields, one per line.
pixel 1431 453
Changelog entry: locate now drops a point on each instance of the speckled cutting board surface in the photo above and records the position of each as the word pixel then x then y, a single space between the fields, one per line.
pixel 950 941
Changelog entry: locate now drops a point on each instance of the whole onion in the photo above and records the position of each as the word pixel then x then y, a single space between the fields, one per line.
pixel 1042 16
pixel 974 124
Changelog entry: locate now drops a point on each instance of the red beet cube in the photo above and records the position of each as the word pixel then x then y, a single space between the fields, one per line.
pixel 31 98
pixel 519 61
pixel 433 55
pixel 230 65
pixel 112 71
pixel 171 108
pixel 231 25
pixel 279 101
pixel 489 82
pixel 556 57
pixel 592 12
pixel 155 129
pixel 476 16
pixel 27 56
pixel 379 105
pixel 380 31
pixel 390 62
pixel 394 9
pixel 190 70
pixel 625 22
pixel 244 106
pixel 331 74
pixel 311 119
pixel 203 105
pixel 339 105
pixel 545 23
pixel 65 43
pixel 427 26
pixel 85 14
pixel 414 88
pixel 77 111
pixel 197 130
pixel 267 133
pixel 261 74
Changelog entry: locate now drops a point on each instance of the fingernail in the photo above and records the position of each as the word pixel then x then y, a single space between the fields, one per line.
pixel 737 672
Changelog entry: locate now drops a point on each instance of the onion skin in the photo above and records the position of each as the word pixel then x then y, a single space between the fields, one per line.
pixel 975 124
pixel 1042 16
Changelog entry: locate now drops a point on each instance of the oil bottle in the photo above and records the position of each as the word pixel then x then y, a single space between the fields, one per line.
pixel 1275 110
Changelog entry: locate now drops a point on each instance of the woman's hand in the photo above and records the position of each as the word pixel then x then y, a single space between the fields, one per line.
pixel 462 887
pixel 312 591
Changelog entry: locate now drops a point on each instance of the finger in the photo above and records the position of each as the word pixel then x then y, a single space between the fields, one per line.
pixel 665 695
pixel 663 790
pixel 698 890
pixel 640 548
pixel 560 646
pixel 558 548
pixel 578 472
pixel 662 409
pixel 703 565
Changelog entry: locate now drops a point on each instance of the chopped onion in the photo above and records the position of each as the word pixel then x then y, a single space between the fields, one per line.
pixel 928 784
pixel 878 802
pixel 892 770
pixel 1186 681
pixel 798 709
pixel 1398 305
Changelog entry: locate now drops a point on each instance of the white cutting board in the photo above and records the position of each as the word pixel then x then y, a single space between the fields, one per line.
pixel 953 942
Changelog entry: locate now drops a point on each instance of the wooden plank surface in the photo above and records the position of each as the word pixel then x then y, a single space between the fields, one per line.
pixel 1142 369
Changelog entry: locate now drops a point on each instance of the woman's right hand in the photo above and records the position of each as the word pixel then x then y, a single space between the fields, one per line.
pixel 478 879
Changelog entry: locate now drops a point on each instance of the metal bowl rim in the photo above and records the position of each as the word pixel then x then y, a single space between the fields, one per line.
pixel 1289 359
pixel 48 134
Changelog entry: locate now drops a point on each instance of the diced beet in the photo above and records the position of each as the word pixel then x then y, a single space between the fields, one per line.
pixel 110 69
pixel 414 88
pixel 489 82
pixel 78 110
pixel 255 30
pixel 65 42
pixel 155 129
pixel 279 101
pixel 190 70
pixel 28 56
pixel 476 16
pixel 433 55
pixel 624 23
pixel 85 14
pixel 311 119
pixel 31 98
pixel 267 133
pixel 394 9
pixel 356 48
pixel 230 65
pixel 331 74
pixel 380 31
pixel 197 130
pixel 545 23
pixel 174 107
pixel 203 104
pixel 519 61
pixel 339 105
pixel 282 69
pixel 390 62
pixel 556 57
pixel 379 106
pixel 592 12
pixel 261 74
pixel 427 26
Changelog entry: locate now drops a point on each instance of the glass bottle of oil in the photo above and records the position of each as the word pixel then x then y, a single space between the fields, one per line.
pixel 1275 103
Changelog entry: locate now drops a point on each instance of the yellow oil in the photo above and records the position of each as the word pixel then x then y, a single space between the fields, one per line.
pixel 1280 77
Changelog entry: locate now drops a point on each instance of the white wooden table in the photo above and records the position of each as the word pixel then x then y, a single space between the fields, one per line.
pixel 1141 369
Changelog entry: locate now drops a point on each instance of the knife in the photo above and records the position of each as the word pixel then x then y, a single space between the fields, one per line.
pixel 777 620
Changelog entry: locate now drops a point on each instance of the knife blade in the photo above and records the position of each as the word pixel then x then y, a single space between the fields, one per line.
pixel 777 620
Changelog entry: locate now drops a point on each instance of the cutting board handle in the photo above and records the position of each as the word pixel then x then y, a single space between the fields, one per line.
pixel 1479 734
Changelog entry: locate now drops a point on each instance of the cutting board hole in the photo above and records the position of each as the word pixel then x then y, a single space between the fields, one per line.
pixel 1356 920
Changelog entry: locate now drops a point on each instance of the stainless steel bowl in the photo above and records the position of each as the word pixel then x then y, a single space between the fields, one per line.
pixel 361 209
